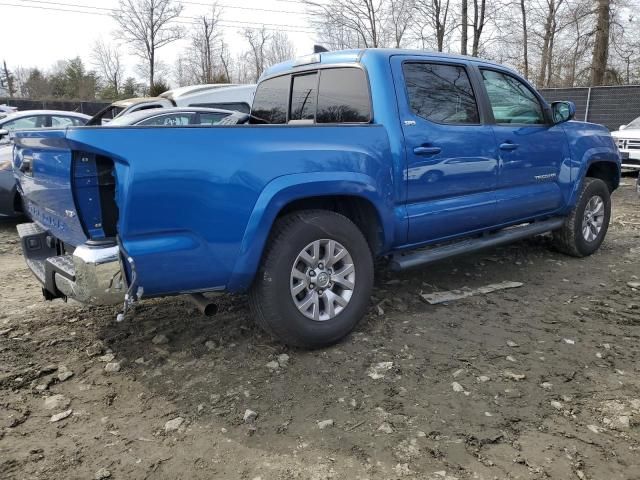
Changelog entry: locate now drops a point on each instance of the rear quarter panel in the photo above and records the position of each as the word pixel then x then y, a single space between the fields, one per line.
pixel 196 204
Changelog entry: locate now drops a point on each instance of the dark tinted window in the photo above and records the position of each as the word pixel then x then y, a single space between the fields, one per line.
pixel 303 97
pixel 441 93
pixel 211 118
pixel 271 101
pixel 343 96
pixel 236 106
pixel 511 100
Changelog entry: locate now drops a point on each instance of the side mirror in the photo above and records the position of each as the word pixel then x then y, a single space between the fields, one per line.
pixel 563 111
pixel 4 136
pixel 622 127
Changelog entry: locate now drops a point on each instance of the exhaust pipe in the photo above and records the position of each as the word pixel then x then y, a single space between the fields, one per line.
pixel 206 306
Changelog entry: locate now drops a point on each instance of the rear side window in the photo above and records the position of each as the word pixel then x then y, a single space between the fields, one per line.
pixel 236 106
pixel 169 120
pixel 303 97
pixel 211 118
pixel 271 101
pixel 441 93
pixel 343 96
pixel 61 121
pixel 36 121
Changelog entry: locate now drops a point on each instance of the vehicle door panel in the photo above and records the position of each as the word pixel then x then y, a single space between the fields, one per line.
pixel 452 164
pixel 532 149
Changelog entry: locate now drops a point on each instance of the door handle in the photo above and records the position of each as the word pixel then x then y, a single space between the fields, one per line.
pixel 427 150
pixel 508 146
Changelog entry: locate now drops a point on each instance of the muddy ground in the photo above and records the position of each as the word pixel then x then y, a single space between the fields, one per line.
pixel 535 382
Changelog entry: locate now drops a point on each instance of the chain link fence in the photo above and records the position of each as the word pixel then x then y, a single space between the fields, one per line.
pixel 609 106
pixel 88 108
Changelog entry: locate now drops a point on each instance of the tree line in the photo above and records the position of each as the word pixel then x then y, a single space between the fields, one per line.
pixel 554 43
pixel 143 28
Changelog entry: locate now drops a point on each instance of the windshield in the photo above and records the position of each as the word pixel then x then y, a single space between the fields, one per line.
pixel 634 124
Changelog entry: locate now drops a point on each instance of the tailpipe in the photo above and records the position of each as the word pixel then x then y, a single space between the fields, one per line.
pixel 205 305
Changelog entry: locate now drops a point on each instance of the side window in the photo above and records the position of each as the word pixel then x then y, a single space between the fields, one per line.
pixel 441 93
pixel 343 96
pixel 211 118
pixel 304 94
pixel 60 121
pixel 511 100
pixel 169 120
pixel 37 121
pixel 271 101
pixel 236 106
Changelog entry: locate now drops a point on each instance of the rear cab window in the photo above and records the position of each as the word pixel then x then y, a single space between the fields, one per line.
pixel 324 96
pixel 304 96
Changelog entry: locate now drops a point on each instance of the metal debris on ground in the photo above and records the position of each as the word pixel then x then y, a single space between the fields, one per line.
pixel 458 294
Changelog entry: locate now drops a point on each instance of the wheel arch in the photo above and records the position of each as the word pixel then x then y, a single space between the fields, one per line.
pixel 607 171
pixel 600 163
pixel 354 195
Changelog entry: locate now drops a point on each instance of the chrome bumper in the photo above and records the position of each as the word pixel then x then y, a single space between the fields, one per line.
pixel 90 275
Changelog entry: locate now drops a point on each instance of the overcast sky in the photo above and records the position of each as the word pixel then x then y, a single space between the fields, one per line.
pixel 38 33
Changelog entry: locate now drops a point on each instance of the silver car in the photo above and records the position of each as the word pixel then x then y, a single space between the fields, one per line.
pixel 10 202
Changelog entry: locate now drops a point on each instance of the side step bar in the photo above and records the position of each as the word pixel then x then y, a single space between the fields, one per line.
pixel 403 261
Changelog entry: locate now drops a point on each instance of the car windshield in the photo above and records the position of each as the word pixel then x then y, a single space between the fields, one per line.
pixel 634 124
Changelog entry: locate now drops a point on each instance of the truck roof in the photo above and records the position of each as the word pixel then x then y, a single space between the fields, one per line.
pixel 357 55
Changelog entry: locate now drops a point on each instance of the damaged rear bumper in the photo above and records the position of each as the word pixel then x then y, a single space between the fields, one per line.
pixel 90 275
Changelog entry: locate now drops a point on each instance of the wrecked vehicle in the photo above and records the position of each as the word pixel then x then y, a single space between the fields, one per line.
pixel 348 156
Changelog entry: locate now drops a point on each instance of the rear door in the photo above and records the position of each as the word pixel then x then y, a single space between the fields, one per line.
pixel 452 160
pixel 532 149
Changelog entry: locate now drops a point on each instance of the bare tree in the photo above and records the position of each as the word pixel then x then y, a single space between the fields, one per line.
pixel 205 46
pixel 257 54
pixel 107 60
pixel 525 39
pixel 548 38
pixel 464 24
pixel 147 26
pixel 225 60
pixel 479 22
pixel 279 49
pixel 399 18
pixel 363 18
pixel 7 80
pixel 601 47
pixel 436 16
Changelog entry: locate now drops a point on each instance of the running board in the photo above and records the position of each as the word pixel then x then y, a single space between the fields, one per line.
pixel 403 261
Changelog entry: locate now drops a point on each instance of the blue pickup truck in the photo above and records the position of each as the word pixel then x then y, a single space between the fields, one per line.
pixel 347 156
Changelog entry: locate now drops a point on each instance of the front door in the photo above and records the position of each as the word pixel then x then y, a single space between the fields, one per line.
pixel 532 150
pixel 452 166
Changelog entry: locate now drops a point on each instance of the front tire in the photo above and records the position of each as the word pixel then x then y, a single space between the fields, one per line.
pixel 586 226
pixel 315 280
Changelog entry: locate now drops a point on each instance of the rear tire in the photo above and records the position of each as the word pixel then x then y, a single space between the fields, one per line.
pixel 315 280
pixel 586 226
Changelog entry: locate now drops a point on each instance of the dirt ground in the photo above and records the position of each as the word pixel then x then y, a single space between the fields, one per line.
pixel 536 382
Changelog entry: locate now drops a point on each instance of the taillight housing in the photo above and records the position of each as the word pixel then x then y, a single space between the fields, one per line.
pixel 94 190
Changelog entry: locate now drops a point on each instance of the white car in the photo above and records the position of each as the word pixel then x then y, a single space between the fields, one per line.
pixel 7 109
pixel 218 95
pixel 227 96
pixel 628 140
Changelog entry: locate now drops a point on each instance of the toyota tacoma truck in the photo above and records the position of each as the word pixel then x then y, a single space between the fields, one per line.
pixel 347 157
